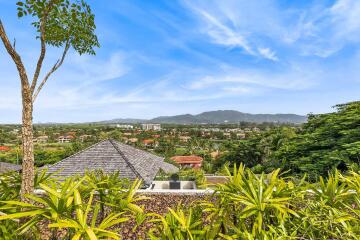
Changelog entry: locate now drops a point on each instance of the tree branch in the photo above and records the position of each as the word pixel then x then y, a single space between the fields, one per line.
pixel 15 56
pixel 43 46
pixel 52 70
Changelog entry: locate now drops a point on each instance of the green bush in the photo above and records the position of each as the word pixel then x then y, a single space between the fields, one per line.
pixel 248 206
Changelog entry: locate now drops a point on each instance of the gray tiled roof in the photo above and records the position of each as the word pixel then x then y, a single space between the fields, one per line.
pixel 7 167
pixel 111 156
pixel 168 167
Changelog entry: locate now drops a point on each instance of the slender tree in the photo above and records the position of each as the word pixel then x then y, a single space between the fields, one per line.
pixel 61 24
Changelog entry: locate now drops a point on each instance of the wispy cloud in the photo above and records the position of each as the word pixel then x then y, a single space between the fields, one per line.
pixel 268 53
pixel 294 78
pixel 224 28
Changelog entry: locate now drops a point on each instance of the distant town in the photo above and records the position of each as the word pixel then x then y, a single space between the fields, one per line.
pixel 179 143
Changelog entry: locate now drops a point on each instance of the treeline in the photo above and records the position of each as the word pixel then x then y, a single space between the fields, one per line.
pixel 326 142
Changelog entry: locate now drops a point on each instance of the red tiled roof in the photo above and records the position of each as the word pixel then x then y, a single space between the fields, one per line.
pixel 187 159
pixel 148 141
pixel 4 148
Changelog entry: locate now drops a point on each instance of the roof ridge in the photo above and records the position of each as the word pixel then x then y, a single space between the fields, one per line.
pixel 75 154
pixel 141 150
pixel 113 142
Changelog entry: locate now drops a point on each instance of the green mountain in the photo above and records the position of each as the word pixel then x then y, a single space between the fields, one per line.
pixel 229 116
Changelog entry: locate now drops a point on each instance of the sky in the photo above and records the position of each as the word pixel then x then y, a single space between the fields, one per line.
pixel 169 57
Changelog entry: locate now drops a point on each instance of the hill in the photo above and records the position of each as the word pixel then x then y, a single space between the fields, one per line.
pixel 229 116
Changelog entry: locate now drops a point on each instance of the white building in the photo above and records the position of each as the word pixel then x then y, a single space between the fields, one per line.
pixel 124 126
pixel 151 126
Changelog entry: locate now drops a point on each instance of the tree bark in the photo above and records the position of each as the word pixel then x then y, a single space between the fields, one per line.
pixel 27 185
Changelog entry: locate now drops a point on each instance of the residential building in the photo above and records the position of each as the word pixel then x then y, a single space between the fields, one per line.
pixel 133 140
pixel 65 139
pixel 188 161
pixel 149 142
pixel 227 135
pixel 151 126
pixel 124 126
pixel 8 167
pixel 241 135
pixel 42 139
pixel 184 138
pixel 111 156
pixel 4 149
pixel 255 129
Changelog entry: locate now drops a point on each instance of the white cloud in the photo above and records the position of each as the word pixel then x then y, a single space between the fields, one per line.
pixel 345 17
pixel 315 30
pixel 324 31
pixel 76 84
pixel 294 78
pixel 223 35
pixel 268 53
pixel 222 23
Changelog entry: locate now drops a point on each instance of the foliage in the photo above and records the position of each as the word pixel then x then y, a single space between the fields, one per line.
pixel 57 201
pixel 248 206
pixel 269 206
pixel 178 224
pixel 66 23
pixel 327 141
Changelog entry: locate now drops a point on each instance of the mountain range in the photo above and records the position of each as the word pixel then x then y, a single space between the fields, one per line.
pixel 217 117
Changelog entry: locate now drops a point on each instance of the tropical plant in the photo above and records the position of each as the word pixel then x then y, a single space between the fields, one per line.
pixel 79 228
pixel 178 224
pixel 105 185
pixel 332 191
pixel 56 205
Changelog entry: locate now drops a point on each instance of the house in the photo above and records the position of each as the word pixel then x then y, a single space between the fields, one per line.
pixel 124 126
pixel 133 140
pixel 255 129
pixel 227 135
pixel 188 161
pixel 4 149
pixel 42 139
pixel 9 167
pixel 149 142
pixel 241 135
pixel 65 139
pixel 184 138
pixel 151 126
pixel 112 156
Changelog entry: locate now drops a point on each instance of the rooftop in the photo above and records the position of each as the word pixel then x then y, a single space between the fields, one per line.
pixel 187 159
pixel 112 156
pixel 7 167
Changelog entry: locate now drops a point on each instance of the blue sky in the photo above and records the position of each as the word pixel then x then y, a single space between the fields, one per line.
pixel 173 57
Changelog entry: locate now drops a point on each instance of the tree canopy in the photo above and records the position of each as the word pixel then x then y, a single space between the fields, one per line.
pixel 326 142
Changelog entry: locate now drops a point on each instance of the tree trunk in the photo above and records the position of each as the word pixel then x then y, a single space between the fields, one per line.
pixel 27 184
